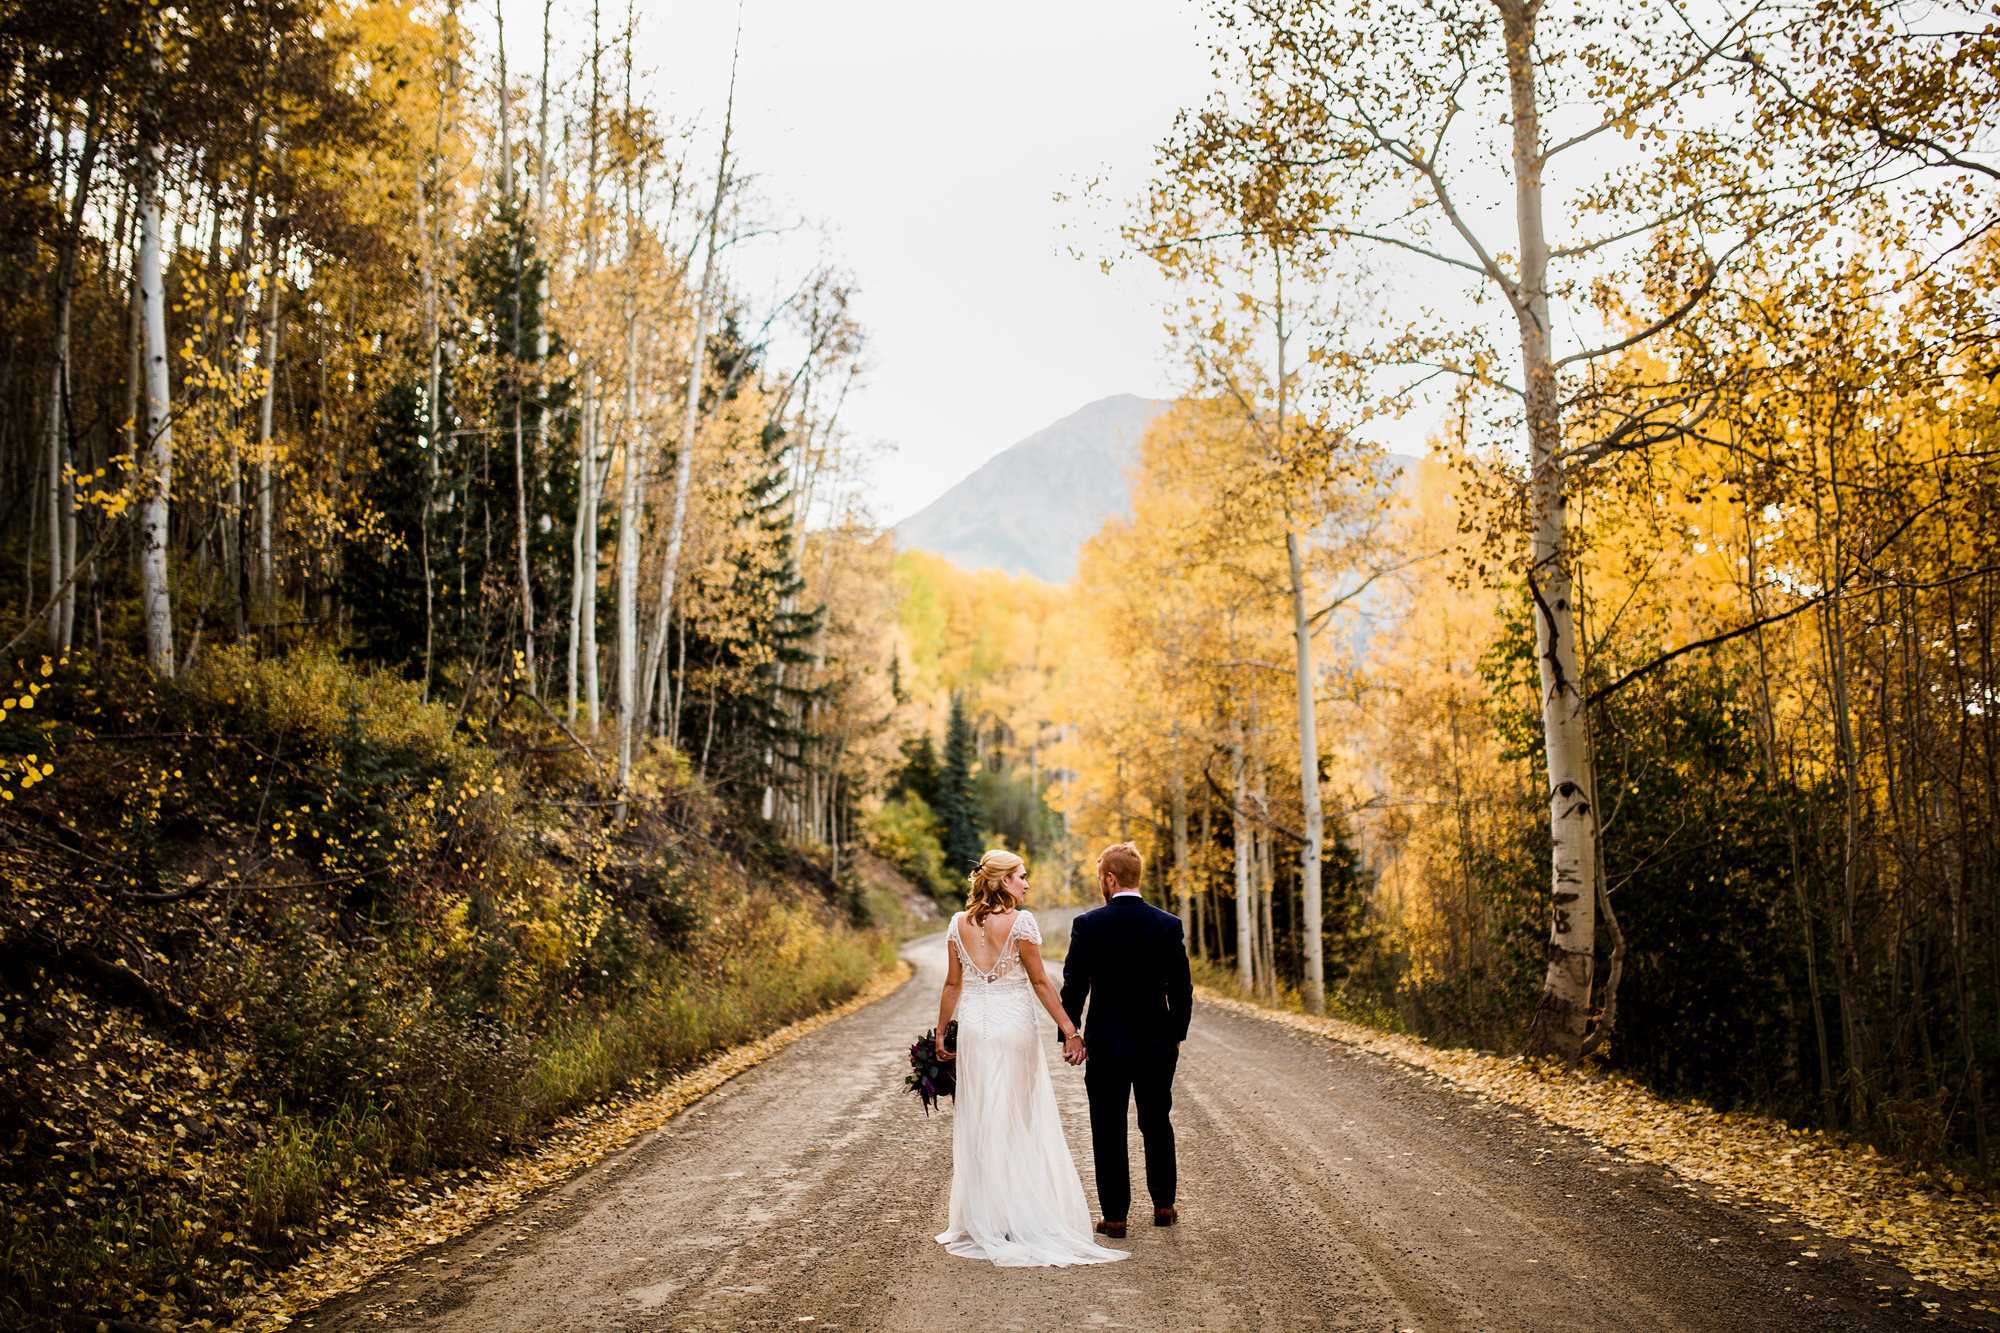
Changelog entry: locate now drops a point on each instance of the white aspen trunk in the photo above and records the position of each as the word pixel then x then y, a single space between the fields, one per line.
pixel 66 501
pixel 52 483
pixel 542 305
pixel 1267 884
pixel 1183 882
pixel 433 441
pixel 1242 836
pixel 62 508
pixel 1564 1011
pixel 601 478
pixel 266 560
pixel 1203 901
pixel 631 513
pixel 157 481
pixel 527 589
pixel 1312 987
pixel 691 419
pixel 591 474
pixel 582 571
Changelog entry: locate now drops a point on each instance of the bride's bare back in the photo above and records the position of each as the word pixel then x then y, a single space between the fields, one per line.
pixel 986 941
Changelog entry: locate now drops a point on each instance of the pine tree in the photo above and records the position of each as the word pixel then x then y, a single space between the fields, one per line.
pixel 957 806
pixel 919 773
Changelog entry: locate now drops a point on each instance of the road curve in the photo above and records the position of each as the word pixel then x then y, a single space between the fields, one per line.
pixel 1321 1188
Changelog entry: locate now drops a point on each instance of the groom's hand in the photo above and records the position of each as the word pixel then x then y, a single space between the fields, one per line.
pixel 1073 1051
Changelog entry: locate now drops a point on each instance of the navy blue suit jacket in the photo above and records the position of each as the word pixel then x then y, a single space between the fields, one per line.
pixel 1128 960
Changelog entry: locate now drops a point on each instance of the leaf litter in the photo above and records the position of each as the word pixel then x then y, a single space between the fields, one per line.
pixel 1937 1231
pixel 573 1144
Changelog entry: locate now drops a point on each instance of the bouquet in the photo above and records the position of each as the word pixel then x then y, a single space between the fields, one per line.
pixel 929 1077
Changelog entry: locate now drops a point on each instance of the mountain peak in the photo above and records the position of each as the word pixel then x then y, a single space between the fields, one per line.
pixel 1030 508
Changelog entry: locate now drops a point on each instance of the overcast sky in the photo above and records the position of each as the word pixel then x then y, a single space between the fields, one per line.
pixel 923 144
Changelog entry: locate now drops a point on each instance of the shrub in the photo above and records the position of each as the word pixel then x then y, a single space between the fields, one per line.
pixel 908 836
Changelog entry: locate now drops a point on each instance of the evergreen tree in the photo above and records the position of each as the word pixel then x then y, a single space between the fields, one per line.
pixel 919 773
pixel 957 805
pixel 753 647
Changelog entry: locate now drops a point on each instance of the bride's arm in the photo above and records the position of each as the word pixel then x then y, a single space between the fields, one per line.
pixel 1045 990
pixel 954 982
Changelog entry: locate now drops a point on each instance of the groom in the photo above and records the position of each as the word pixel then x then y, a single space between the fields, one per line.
pixel 1133 957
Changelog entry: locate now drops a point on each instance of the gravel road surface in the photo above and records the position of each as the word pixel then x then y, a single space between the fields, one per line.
pixel 1321 1188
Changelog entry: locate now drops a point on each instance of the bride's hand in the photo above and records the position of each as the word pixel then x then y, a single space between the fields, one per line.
pixel 943 1055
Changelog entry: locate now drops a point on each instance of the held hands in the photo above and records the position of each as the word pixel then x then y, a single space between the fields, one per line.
pixel 1073 1051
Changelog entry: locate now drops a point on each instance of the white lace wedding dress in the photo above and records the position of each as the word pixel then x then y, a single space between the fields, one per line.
pixel 1015 1195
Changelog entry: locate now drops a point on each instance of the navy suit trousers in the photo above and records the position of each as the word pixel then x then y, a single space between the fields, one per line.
pixel 1112 1084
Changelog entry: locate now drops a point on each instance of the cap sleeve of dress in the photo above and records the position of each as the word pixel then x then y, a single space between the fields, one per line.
pixel 1028 930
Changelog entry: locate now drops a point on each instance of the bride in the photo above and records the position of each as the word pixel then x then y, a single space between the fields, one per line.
pixel 1015 1195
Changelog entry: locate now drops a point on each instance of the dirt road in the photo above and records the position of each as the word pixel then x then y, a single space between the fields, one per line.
pixel 1321 1188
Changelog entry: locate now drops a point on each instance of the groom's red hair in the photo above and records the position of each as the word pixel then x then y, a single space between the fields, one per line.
pixel 1121 861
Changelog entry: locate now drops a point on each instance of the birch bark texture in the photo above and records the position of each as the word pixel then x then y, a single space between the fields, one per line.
pixel 1564 1011
pixel 61 488
pixel 691 414
pixel 1312 986
pixel 266 558
pixel 157 472
pixel 1242 834
pixel 631 515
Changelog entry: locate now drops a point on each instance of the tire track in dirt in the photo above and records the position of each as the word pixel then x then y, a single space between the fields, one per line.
pixel 1321 1187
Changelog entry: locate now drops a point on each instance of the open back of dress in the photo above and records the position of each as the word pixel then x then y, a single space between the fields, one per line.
pixel 1016 1198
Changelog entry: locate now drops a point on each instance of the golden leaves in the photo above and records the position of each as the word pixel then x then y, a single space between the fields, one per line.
pixel 1940 1236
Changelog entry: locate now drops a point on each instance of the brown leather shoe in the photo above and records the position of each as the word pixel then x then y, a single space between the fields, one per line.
pixel 1115 1230
pixel 1165 1217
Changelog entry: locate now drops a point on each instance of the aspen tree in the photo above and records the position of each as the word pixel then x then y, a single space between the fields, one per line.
pixel 1183 877
pixel 1243 835
pixel 526 578
pixel 592 471
pixel 60 493
pixel 632 503
pixel 267 402
pixel 157 470
pixel 691 408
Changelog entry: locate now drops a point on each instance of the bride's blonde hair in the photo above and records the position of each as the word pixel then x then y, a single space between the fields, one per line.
pixel 986 894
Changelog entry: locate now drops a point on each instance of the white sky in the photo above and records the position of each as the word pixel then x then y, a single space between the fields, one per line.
pixel 928 141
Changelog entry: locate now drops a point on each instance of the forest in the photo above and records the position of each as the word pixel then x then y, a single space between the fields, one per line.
pixel 1647 716
pixel 455 673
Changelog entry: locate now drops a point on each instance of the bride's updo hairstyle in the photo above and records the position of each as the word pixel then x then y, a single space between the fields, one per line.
pixel 985 895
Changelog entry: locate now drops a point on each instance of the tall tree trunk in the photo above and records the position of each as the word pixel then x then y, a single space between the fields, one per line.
pixel 631 515
pixel 526 587
pixel 542 289
pixel 157 481
pixel 1312 985
pixel 1183 882
pixel 1242 835
pixel 61 506
pixel 1203 890
pixel 583 566
pixel 691 416
pixel 1774 774
pixel 589 483
pixel 267 580
pixel 1564 1011
pixel 1834 636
